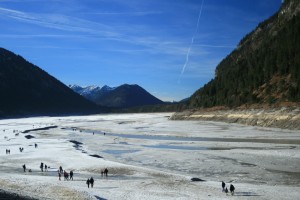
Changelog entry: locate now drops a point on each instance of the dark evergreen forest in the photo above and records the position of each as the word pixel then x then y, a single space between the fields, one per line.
pixel 264 68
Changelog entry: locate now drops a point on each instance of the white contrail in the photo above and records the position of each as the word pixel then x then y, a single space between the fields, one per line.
pixel 192 42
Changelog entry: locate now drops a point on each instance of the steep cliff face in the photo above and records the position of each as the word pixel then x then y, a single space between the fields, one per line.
pixel 264 68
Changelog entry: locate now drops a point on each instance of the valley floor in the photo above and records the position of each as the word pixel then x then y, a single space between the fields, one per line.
pixel 148 156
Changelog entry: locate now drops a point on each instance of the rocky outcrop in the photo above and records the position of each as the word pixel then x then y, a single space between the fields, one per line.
pixel 286 118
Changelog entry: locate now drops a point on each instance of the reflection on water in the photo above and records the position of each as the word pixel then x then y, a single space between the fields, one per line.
pixel 206 139
pixel 119 151
pixel 165 146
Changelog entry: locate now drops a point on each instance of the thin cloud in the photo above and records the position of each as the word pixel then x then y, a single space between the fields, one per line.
pixel 85 29
pixel 20 36
pixel 72 24
pixel 60 22
pixel 140 13
pixel 215 46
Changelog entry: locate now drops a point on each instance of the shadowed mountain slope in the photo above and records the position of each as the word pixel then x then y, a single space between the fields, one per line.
pixel 28 90
pixel 126 96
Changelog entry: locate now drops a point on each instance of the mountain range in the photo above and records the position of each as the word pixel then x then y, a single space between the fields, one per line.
pixel 124 96
pixel 263 69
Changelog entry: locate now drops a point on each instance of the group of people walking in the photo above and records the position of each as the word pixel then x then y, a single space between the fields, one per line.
pixel 104 172
pixel 67 176
pixel 90 181
pixel 224 188
pixel 42 167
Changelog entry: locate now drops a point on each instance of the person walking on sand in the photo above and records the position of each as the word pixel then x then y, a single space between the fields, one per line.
pixel 59 175
pixel 92 182
pixel 88 183
pixel 106 171
pixel 42 166
pixel 223 186
pixel 226 191
pixel 231 188
pixel 66 175
pixel 71 175
pixel 24 168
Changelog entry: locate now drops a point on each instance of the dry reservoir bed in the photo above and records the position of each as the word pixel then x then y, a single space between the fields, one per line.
pixel 153 156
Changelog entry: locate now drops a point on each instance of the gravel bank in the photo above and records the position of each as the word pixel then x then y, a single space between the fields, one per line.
pixel 286 118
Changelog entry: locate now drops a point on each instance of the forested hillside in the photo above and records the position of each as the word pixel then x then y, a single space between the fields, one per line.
pixel 263 69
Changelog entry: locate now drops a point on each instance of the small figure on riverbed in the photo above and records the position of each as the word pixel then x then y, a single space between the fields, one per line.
pixel 71 175
pixel 88 182
pixel 223 186
pixel 35 145
pixel 226 190
pixel 59 175
pixel 24 168
pixel 231 188
pixel 66 175
pixel 106 172
pixel 92 182
pixel 42 166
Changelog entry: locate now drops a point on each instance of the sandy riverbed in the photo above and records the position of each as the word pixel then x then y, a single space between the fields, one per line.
pixel 148 157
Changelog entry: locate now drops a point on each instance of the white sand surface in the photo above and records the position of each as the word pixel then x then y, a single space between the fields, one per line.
pixel 148 157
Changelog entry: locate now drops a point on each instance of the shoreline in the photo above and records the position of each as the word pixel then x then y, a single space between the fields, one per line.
pixel 284 118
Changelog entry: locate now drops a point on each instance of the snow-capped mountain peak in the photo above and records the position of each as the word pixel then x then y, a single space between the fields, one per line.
pixel 107 88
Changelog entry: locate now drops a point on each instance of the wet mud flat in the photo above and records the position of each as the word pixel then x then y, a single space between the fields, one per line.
pixel 215 161
pixel 195 139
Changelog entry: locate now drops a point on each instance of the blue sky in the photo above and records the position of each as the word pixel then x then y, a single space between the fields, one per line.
pixel 169 47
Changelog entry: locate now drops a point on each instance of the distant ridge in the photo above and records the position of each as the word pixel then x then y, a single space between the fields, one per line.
pixel 28 90
pixel 124 96
pixel 92 93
